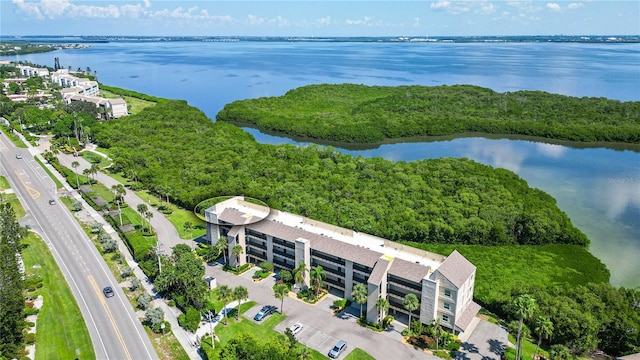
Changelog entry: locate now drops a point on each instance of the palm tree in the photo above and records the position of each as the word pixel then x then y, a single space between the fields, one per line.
pixel 87 173
pixel 188 226
pixel 94 170
pixel 317 275
pixel 544 328
pixel 305 353
pixel 224 294
pixel 411 304
pixel 525 307
pixel 143 209
pixel 237 251
pixel 119 191
pixel 149 215
pixel 437 332
pixel 299 274
pixel 360 294
pixel 222 246
pixel 280 292
pixel 240 293
pixel 383 305
pixel 75 166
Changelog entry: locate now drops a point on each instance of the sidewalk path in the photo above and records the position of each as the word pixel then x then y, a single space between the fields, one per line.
pixel 169 239
pixel 167 234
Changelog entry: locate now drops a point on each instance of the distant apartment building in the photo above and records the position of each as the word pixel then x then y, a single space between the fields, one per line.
pixel 443 285
pixel 29 71
pixel 81 89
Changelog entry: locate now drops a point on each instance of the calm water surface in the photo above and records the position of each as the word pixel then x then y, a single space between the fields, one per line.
pixel 598 188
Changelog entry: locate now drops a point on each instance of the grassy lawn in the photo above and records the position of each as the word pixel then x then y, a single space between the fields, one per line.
pixel 94 158
pixel 178 216
pixel 60 314
pixel 105 193
pixel 167 346
pixel 134 105
pixel 359 354
pixel 14 138
pixel 4 183
pixel 55 179
pixel 528 348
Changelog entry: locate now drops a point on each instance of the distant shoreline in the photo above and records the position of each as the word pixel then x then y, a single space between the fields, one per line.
pixel 382 39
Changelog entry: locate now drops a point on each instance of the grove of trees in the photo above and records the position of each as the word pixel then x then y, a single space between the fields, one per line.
pixel 370 114
pixel 174 148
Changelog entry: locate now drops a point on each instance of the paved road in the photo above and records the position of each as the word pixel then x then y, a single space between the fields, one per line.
pixel 115 331
pixel 167 234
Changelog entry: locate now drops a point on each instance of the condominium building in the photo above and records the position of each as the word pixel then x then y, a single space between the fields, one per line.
pixel 443 285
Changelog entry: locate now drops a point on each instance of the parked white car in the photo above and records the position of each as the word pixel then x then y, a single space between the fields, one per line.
pixel 296 328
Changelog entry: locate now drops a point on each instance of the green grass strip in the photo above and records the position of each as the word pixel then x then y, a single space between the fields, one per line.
pixel 359 354
pixel 55 179
pixel 60 326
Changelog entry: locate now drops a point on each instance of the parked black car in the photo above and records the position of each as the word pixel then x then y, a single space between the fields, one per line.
pixel 264 312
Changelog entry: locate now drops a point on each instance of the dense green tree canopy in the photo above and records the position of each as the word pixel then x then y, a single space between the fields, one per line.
pixel 176 147
pixel 11 284
pixel 370 114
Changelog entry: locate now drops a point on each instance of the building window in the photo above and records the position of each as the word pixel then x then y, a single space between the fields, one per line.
pixel 447 306
pixel 445 318
pixel 447 292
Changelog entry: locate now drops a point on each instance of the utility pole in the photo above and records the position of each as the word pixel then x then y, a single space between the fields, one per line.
pixel 119 211
pixel 209 317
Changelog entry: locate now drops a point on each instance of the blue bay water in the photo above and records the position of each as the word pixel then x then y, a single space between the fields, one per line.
pixel 599 188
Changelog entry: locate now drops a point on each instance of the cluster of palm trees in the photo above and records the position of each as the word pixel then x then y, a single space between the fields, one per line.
pixel 222 246
pixel 90 172
pixel 226 294
pixel 526 307
pixel 316 275
pixel 143 209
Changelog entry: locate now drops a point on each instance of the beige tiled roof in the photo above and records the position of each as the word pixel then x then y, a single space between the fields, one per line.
pixel 378 271
pixel 456 268
pixel 465 319
pixel 318 242
pixel 408 270
pixel 234 216
pixel 118 101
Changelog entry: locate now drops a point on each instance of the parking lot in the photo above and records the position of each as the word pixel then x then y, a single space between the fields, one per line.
pixel 322 329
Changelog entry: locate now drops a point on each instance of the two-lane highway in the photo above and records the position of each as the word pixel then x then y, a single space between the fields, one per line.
pixel 115 331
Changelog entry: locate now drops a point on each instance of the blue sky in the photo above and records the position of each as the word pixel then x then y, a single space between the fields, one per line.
pixel 319 18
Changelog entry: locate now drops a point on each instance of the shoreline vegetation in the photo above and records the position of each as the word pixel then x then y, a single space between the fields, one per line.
pixel 360 114
pixel 496 220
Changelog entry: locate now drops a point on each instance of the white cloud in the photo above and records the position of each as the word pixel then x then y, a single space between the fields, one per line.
pixel 254 20
pixel 575 5
pixel 554 7
pixel 458 7
pixel 365 21
pixel 416 22
pixel 279 21
pixel 325 21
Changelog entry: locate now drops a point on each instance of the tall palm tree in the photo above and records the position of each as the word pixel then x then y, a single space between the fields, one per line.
pixel 280 291
pixel 143 209
pixel 240 293
pixel 120 192
pixel 222 246
pixel 525 308
pixel 411 304
pixel 383 305
pixel 300 273
pixel 437 332
pixel 149 215
pixel 75 166
pixel 237 251
pixel 360 295
pixel 94 170
pixel 224 294
pixel 87 173
pixel 544 328
pixel 317 274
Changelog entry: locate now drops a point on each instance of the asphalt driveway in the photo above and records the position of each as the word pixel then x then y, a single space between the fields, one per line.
pixel 486 342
